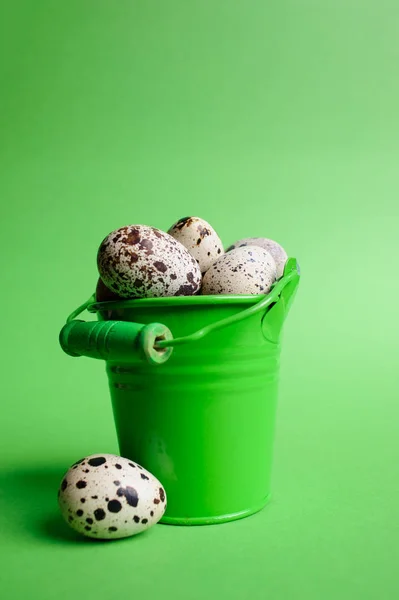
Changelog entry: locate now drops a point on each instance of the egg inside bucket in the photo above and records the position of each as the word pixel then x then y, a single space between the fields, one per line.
pixel 200 239
pixel 248 270
pixel 138 261
pixel 105 496
pixel 278 253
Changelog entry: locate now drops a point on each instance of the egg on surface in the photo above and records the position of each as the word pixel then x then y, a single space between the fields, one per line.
pixel 247 270
pixel 278 253
pixel 105 496
pixel 103 294
pixel 200 239
pixel 138 261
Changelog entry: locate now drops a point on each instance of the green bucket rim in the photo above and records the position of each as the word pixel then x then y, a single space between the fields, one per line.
pixel 255 304
pixel 291 267
pixel 175 301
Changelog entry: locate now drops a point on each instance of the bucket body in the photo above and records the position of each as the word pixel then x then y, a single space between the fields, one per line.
pixel 203 422
pixel 193 383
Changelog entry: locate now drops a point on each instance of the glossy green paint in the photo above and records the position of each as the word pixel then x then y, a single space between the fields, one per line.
pixel 203 422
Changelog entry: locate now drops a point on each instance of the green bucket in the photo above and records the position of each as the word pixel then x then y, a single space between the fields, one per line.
pixel 195 409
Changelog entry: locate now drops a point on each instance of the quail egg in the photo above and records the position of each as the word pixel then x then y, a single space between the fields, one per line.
pixel 105 496
pixel 138 261
pixel 277 251
pixel 200 239
pixel 247 270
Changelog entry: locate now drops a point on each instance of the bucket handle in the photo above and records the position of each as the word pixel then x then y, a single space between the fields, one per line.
pixel 261 305
pixel 291 273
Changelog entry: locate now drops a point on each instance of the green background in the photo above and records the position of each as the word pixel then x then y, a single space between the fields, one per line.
pixel 275 118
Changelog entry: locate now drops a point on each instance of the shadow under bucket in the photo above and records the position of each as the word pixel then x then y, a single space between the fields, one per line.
pixel 195 409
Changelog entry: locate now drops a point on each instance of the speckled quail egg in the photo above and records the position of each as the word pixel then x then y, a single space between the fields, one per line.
pixel 105 496
pixel 200 239
pixel 138 261
pixel 248 270
pixel 277 251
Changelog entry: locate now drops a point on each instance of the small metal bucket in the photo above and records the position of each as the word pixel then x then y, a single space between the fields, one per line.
pixel 198 409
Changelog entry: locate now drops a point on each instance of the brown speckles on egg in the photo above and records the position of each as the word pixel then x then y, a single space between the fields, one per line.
pixel 96 461
pixel 130 235
pixel 204 231
pixel 185 290
pixel 131 259
pixel 114 506
pixel 240 272
pixel 278 253
pixel 160 266
pixel 118 502
pixel 200 239
pixel 138 284
pixel 117 237
pixel 99 514
pixel 186 221
pixel 147 246
pixel 130 494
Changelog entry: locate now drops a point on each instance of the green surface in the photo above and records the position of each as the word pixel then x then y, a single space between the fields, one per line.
pixel 266 118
